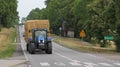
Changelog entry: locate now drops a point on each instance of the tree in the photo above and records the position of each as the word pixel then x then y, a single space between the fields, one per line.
pixel 55 14
pixel 81 15
pixel 102 14
pixel 117 16
pixel 98 18
pixel 8 13
pixel 37 14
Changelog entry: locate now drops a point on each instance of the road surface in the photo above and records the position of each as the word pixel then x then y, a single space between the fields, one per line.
pixel 64 57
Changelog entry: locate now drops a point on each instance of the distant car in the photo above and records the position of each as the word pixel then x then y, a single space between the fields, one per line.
pixel 24 34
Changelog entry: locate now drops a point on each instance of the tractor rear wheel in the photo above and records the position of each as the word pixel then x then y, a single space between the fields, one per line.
pixel 31 48
pixel 27 47
pixel 49 48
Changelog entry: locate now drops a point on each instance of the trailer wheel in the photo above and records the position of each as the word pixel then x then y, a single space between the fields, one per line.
pixel 31 48
pixel 49 48
pixel 27 47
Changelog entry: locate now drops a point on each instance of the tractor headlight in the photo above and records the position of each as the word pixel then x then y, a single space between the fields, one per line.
pixel 43 41
pixel 38 41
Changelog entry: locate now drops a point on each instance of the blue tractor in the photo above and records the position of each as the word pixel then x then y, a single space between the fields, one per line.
pixel 39 41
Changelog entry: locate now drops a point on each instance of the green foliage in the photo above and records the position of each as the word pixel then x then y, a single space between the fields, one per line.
pixel 102 18
pixel 117 16
pixel 37 14
pixel 98 18
pixel 55 14
pixel 81 15
pixel 8 13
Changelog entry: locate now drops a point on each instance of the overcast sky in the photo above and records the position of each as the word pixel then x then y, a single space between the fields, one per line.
pixel 25 6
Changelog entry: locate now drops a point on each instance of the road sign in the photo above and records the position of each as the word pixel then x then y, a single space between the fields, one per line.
pixel 108 37
pixel 60 28
pixel 82 33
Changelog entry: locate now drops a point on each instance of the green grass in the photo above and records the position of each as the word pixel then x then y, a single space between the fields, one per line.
pixel 76 44
pixel 8 49
pixel 8 52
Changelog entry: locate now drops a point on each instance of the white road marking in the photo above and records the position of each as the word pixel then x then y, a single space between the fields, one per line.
pixel 90 64
pixel 75 64
pixel 85 64
pixel 76 61
pixel 67 57
pixel 64 57
pixel 98 57
pixel 24 51
pixel 44 64
pixel 117 64
pixel 105 64
pixel 59 63
pixel 23 47
pixel 29 66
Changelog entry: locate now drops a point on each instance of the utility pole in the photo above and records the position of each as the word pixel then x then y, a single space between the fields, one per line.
pixel 64 28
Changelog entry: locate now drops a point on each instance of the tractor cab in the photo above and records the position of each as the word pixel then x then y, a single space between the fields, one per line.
pixel 40 40
pixel 39 35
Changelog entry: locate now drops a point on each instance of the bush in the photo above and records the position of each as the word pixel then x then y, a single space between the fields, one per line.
pixel 117 41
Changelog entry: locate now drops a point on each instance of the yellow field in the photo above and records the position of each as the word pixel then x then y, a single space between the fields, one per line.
pixel 6 38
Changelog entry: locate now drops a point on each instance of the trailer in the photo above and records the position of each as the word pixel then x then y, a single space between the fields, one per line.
pixel 37 36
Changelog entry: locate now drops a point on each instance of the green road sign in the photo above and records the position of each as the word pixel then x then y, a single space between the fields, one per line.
pixel 108 37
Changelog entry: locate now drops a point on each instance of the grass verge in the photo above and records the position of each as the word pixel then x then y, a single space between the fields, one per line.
pixel 78 45
pixel 7 37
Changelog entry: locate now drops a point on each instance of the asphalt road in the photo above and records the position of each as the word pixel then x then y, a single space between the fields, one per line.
pixel 64 57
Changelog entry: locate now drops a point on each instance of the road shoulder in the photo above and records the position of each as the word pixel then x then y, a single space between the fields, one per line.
pixel 18 59
pixel 113 56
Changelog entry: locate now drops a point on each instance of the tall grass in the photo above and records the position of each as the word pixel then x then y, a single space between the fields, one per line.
pixel 9 46
pixel 80 46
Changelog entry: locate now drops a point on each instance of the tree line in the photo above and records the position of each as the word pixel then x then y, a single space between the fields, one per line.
pixel 8 13
pixel 99 18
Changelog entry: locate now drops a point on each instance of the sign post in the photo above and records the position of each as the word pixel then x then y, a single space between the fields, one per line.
pixel 82 34
pixel 60 28
pixel 108 38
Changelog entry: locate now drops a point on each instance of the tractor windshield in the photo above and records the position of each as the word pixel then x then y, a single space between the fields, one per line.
pixel 40 33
